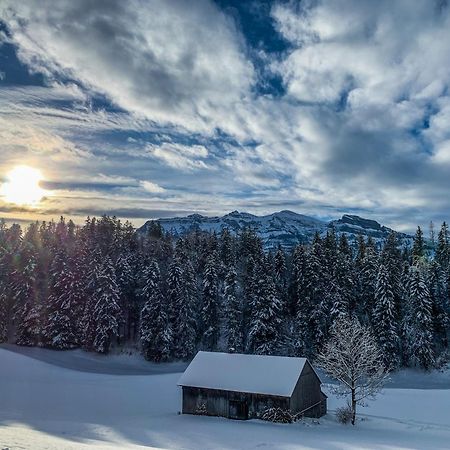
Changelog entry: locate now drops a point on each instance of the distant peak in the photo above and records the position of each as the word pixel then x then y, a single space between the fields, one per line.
pixel 238 214
pixel 359 221
pixel 195 216
pixel 286 212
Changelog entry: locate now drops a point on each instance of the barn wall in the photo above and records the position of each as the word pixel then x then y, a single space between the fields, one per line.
pixel 259 403
pixel 213 402
pixel 205 401
pixel 307 392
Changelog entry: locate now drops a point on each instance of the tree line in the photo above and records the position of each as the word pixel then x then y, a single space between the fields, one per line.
pixel 104 284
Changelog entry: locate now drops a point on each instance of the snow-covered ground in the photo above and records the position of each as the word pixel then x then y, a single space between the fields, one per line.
pixel 47 406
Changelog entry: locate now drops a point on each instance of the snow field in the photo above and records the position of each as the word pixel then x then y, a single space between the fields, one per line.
pixel 43 406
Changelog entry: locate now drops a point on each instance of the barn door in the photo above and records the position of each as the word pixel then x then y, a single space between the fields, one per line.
pixel 238 409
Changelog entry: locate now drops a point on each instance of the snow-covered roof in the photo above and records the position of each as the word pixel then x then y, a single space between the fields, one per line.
pixel 255 374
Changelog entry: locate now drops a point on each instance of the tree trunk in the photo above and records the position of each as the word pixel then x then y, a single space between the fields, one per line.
pixel 353 407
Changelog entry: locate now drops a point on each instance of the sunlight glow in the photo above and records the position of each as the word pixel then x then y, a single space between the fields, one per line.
pixel 22 186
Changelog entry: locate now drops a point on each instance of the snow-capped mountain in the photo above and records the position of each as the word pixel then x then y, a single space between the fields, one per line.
pixel 285 228
pixel 353 226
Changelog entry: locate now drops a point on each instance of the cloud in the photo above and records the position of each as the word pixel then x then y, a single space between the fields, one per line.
pixel 172 62
pixel 361 123
pixel 183 157
pixel 152 187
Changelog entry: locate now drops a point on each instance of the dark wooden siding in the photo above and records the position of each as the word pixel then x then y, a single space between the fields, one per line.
pixel 212 402
pixel 307 393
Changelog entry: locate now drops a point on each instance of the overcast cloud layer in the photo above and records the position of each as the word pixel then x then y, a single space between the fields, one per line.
pixel 159 108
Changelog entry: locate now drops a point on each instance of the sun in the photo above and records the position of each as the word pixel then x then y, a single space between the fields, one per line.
pixel 22 186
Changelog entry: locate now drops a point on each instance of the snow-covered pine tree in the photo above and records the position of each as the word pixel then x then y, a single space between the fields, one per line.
pixel 3 313
pixel 443 248
pixel 330 249
pixel 344 246
pixel 297 279
pixel 174 291
pixel 264 334
pixel 418 323
pixel 367 276
pixel 106 310
pixel 298 302
pixel 384 320
pixel 210 308
pixel 5 258
pixel 155 331
pixel 391 258
pixel 63 305
pixel 91 258
pixel 280 271
pixel 439 302
pixel 338 301
pixel 126 271
pixel 343 286
pixel 418 249
pixel 318 300
pixel 27 307
pixel 181 291
pixel 226 250
pixel 233 312
pixel 308 272
pixel 360 251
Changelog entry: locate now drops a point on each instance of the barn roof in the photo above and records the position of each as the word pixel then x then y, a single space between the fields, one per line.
pixel 256 374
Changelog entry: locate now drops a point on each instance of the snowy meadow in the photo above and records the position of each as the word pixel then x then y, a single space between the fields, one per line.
pixel 46 406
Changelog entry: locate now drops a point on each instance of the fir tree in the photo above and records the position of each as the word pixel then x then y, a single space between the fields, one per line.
pixel 3 314
pixel 343 285
pixel 344 247
pixel 367 275
pixel 264 334
pixel 27 307
pixel 233 312
pixel 384 320
pixel 183 317
pixel 391 258
pixel 418 323
pixel 226 250
pixel 106 309
pixel 437 286
pixel 127 282
pixel 418 250
pixel 210 309
pixel 315 313
pixel 155 332
pixel 298 281
pixel 63 307
pixel 443 249
pixel 93 262
pixel 281 283
pixel 5 258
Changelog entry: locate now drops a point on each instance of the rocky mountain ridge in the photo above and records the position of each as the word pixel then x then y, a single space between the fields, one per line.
pixel 285 228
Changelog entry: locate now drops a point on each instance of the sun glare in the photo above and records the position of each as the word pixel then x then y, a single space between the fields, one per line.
pixel 22 186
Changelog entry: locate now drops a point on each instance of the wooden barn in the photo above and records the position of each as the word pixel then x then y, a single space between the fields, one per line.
pixel 243 386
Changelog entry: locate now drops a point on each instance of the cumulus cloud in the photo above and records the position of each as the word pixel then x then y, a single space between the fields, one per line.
pixel 152 187
pixel 372 77
pixel 183 157
pixel 361 122
pixel 173 62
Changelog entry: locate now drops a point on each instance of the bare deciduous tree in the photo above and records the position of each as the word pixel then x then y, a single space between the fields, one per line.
pixel 353 358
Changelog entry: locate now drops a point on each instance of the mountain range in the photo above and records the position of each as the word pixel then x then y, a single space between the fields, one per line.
pixel 285 228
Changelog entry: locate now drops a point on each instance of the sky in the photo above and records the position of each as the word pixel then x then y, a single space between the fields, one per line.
pixel 162 108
